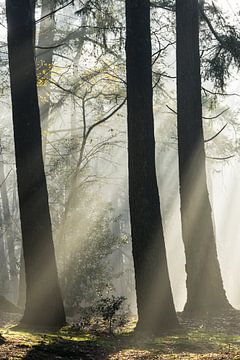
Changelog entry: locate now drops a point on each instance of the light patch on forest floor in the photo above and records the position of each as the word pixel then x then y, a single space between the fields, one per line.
pixel 196 345
pixel 216 339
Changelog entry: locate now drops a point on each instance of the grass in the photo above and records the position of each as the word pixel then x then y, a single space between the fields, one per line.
pixel 193 344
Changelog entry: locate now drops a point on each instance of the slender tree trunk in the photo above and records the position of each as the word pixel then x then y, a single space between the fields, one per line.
pixel 45 63
pixel 4 275
pixel 44 307
pixel 204 282
pixel 154 295
pixel 21 301
pixel 9 233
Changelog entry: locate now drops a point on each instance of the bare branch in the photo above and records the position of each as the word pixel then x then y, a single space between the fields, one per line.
pixel 214 136
pixel 204 117
pixel 55 11
pixel 105 118
pixel 216 116
pixel 220 158
pixel 219 93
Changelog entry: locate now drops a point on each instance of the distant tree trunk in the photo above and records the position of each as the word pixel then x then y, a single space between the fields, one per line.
pixel 154 295
pixel 22 284
pixel 4 275
pixel 45 63
pixel 9 233
pixel 205 292
pixel 44 307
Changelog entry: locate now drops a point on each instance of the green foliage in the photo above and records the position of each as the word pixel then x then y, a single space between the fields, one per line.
pixel 104 16
pixel 225 50
pixel 89 271
pixel 108 307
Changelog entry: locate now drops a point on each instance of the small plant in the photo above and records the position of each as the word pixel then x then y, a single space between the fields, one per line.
pixel 108 307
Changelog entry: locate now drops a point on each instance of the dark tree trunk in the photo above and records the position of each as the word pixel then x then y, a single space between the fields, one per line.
pixel 154 296
pixel 204 282
pixel 44 305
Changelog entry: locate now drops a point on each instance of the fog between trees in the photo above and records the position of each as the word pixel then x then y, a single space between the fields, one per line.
pixel 81 78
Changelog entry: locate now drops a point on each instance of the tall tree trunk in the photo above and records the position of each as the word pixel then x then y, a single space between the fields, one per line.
pixel 204 282
pixel 154 295
pixel 44 305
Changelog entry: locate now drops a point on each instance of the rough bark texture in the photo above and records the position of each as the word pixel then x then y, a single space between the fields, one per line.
pixel 154 296
pixel 204 282
pixel 44 305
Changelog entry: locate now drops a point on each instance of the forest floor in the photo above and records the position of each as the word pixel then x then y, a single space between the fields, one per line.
pixel 218 339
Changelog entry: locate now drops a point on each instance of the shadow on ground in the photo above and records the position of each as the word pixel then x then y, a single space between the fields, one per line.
pixel 216 339
pixel 194 345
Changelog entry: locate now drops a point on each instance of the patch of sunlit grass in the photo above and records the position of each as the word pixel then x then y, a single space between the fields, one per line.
pixel 184 345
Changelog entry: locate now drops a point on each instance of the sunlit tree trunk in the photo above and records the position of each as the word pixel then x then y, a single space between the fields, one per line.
pixel 21 301
pixel 45 63
pixel 205 292
pixel 4 275
pixel 44 305
pixel 154 296
pixel 9 232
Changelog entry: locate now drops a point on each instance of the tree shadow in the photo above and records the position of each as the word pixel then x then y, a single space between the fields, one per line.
pixel 67 349
pixel 2 340
pixel 190 339
pixel 135 346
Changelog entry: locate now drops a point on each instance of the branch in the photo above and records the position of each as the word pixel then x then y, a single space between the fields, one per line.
pixel 106 118
pixel 54 12
pixel 219 93
pixel 220 158
pixel 69 91
pixel 203 117
pixel 216 116
pixel 162 5
pixel 206 19
pixel 49 47
pixel 6 178
pixel 214 136
pixel 174 111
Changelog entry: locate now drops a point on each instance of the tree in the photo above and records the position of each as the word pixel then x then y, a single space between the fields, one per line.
pixel 154 295
pixel 204 282
pixel 9 232
pixel 45 50
pixel 44 305
pixel 4 275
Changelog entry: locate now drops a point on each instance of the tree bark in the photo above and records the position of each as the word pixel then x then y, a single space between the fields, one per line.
pixel 205 292
pixel 44 307
pixel 156 310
